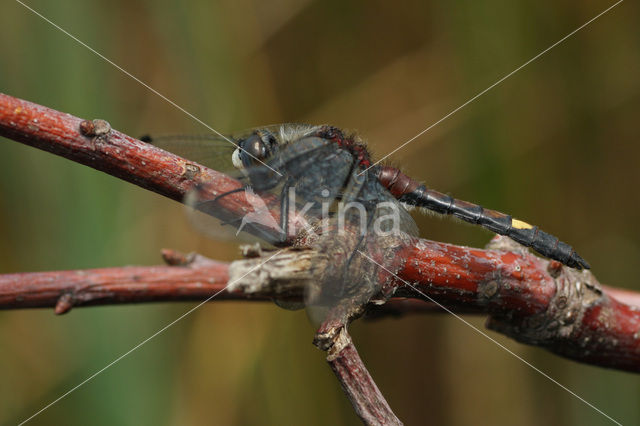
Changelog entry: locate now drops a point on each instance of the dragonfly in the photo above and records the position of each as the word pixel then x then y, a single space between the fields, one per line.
pixel 330 174
pixel 324 163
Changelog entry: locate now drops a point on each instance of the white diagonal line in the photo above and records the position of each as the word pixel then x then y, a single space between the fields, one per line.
pixel 143 342
pixel 494 341
pixel 495 84
pixel 144 84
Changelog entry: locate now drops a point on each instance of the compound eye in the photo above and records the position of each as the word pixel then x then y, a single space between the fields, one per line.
pixel 256 148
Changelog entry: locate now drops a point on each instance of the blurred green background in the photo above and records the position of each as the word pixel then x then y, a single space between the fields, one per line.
pixel 556 144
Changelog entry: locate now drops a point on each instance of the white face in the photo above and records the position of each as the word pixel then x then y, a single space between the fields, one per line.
pixel 235 159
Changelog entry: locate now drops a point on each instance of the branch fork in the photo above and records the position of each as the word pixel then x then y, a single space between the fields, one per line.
pixel 530 299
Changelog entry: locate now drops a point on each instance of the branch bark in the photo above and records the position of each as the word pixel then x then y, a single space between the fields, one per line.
pixel 533 300
pixel 357 384
pixel 191 280
pixel 95 144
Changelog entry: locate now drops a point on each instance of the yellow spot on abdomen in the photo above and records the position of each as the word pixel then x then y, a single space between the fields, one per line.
pixel 520 224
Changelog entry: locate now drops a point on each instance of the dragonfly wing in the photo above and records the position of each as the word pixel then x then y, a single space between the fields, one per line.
pixel 209 150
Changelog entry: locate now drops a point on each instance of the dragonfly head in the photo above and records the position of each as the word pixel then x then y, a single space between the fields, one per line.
pixel 254 150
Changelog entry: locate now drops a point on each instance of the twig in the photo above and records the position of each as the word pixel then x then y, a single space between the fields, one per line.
pixel 357 383
pixel 133 284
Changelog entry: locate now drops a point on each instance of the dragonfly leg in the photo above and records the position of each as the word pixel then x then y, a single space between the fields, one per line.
pixel 284 211
pixel 351 192
pixel 361 238
pixel 209 206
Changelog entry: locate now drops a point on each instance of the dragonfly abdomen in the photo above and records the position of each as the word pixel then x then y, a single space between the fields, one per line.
pixel 411 192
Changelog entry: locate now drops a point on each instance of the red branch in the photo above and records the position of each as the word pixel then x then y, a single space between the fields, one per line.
pixel 95 144
pixel 132 284
pixel 121 156
pixel 467 280
pixel 533 300
pixel 184 278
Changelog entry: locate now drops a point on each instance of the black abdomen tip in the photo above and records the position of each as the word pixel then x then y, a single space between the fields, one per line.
pixel 578 262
